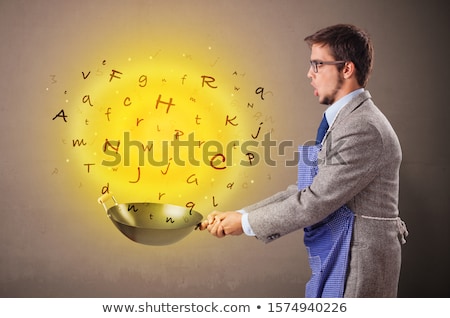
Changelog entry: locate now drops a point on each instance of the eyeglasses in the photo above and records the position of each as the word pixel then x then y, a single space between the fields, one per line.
pixel 315 64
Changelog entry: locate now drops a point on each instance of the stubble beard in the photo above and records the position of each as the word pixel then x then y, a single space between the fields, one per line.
pixel 331 98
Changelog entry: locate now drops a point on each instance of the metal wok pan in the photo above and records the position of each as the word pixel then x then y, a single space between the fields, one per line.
pixel 151 223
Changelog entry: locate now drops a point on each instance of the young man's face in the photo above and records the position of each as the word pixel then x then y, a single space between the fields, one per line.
pixel 328 81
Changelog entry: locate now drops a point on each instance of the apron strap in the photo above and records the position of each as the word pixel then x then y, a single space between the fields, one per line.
pixel 401 226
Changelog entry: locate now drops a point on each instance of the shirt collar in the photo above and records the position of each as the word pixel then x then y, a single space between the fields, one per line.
pixel 336 107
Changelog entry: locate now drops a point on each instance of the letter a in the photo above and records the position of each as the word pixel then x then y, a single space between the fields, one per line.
pixel 61 114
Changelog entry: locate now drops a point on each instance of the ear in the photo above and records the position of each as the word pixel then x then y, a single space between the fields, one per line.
pixel 349 70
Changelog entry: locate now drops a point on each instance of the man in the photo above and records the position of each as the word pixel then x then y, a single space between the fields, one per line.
pixel 350 210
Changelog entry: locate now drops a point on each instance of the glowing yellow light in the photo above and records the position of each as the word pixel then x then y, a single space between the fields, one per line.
pixel 151 103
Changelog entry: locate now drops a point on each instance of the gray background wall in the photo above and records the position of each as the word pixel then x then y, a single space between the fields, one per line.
pixel 55 240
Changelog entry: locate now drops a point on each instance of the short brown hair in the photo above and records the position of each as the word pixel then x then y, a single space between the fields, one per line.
pixel 347 43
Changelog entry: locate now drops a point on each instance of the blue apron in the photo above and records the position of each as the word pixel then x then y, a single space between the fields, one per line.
pixel 328 241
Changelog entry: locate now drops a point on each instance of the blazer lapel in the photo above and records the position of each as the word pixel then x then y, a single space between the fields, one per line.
pixel 348 109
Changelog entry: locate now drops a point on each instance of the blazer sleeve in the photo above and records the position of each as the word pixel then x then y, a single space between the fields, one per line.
pixel 277 197
pixel 348 162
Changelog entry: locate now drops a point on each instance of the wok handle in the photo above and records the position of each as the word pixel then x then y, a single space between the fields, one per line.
pixel 101 200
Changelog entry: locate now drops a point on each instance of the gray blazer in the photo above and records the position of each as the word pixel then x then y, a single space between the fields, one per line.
pixel 359 166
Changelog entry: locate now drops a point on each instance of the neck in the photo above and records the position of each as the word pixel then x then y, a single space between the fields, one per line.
pixel 348 87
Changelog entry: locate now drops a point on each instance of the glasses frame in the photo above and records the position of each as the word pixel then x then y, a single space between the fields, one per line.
pixel 316 63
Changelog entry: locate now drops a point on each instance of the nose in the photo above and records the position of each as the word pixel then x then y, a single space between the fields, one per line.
pixel 310 73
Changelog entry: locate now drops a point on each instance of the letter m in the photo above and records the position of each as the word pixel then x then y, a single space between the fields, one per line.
pixel 77 142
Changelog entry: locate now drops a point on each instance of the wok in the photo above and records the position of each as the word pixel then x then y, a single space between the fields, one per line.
pixel 151 223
